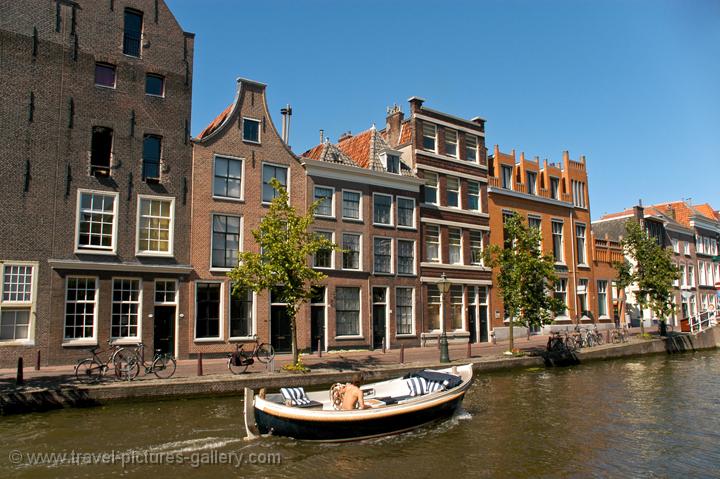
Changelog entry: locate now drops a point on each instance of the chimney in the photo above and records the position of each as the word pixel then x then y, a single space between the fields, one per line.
pixel 639 211
pixel 286 114
pixel 322 135
pixel 671 211
pixel 479 121
pixel 345 136
pixel 393 124
pixel 416 103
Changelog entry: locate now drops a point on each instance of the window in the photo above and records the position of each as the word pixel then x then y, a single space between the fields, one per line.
pixel 392 163
pixel 132 33
pixel 347 311
pixel 207 319
pixel 453 192
pixel 578 191
pixel 101 151
pixel 241 308
pixel 382 209
pixel 580 243
pixel 535 223
pixel 602 298
pixel 404 310
pixel 351 205
pixel 691 275
pixel 683 273
pixel 429 135
pixel 451 140
pixel 324 257
pixel 105 75
pixel 154 84
pixel 582 291
pixel 382 252
pixel 507 172
pixel 406 256
pixel 324 194
pixel 455 245
pixel 686 248
pixel 270 172
pixel 434 303
pixel 406 212
pixel 561 292
pixel 557 233
pixel 431 188
pixel 473 195
pixel 165 292
pixel 16 301
pixel 554 187
pixel 351 251
pixel 531 178
pixel 228 178
pixel 155 226
pixel 80 305
pixel 225 241
pixel 456 306
pixel 125 308
pixel 432 243
pixel 97 216
pixel 476 247
pixel 152 149
pixel 251 130
pixel 675 245
pixel 471 148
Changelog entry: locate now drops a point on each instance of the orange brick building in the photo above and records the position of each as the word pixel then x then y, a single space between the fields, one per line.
pixel 554 198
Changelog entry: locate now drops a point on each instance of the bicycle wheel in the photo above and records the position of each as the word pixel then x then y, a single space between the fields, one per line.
pixel 599 340
pixel 126 364
pixel 238 364
pixel 265 353
pixel 164 366
pixel 570 344
pixel 89 370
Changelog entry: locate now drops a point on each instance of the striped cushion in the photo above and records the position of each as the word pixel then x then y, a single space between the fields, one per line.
pixel 416 386
pixel 296 396
pixel 433 386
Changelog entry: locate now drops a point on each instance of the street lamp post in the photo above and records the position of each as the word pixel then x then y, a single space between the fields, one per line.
pixel 444 287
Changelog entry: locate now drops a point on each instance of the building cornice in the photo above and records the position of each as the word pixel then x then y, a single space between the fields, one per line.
pixel 354 174
pixel 472 131
pixel 526 196
pixel 458 224
pixel 437 156
pixel 78 265
pixel 445 171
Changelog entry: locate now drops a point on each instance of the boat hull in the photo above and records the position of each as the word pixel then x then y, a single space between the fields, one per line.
pixel 344 430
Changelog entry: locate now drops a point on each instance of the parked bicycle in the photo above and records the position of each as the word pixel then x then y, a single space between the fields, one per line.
pixel 240 360
pixel 561 342
pixel 619 335
pixel 163 365
pixel 92 369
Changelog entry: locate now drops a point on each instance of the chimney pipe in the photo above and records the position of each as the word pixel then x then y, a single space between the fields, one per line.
pixel 322 135
pixel 286 113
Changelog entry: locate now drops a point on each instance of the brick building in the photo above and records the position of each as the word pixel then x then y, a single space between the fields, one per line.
pixel 234 159
pixel 554 198
pixel 370 209
pixel 95 176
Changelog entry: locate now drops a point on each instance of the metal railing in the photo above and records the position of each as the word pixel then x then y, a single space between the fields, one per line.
pixel 702 321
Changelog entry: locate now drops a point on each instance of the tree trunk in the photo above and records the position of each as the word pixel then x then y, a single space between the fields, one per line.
pixel 293 332
pixel 622 307
pixel 511 345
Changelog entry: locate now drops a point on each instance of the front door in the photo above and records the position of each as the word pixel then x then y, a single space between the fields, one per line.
pixel 472 321
pixel 379 316
pixel 317 327
pixel 164 328
pixel 280 333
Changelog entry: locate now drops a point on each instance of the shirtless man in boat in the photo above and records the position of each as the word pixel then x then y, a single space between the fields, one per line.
pixel 353 395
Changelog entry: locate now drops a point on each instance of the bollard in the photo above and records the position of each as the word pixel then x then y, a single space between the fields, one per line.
pixel 383 345
pixel 469 352
pixel 37 361
pixel 319 348
pixel 402 354
pixel 199 365
pixel 19 378
pixel 444 353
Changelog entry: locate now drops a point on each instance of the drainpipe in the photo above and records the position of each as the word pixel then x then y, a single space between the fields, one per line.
pixel 574 267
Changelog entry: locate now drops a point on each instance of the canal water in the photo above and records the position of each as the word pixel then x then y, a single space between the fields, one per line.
pixel 647 417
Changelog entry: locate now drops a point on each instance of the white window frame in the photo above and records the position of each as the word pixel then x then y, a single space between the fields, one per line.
pixel 127 339
pixel 462 256
pixel 675 245
pixel 510 185
pixel 556 194
pixel 332 201
pixel 562 239
pixel 242 178
pixel 397 255
pixel 599 292
pixel 436 188
pixel 476 149
pixel 414 212
pixel 438 259
pixel 253 312
pixel 165 303
pixel 360 250
pixel 241 238
pixel 531 185
pixel 441 309
pixel 392 256
pixel 456 143
pixel 463 307
pixel 242 130
pixel 90 250
pixel 435 136
pixel 332 252
pixel 30 305
pixel 585 248
pixel 686 248
pixel 359 219
pixel 479 196
pixel 482 247
pixel 384 160
pixel 392 215
pixel 83 341
pixel 360 314
pixel 171 234
pixel 412 313
pixel 448 178
pixel 221 313
pixel 563 282
pixel 262 174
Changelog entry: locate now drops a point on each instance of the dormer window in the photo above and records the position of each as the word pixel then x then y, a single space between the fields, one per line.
pixel 392 163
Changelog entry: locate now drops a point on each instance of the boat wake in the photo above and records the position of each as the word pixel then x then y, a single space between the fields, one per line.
pixel 191 445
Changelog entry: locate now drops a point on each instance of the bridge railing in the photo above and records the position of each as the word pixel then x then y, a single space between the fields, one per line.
pixel 702 321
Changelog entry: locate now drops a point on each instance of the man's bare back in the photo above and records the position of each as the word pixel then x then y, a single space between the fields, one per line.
pixel 352 395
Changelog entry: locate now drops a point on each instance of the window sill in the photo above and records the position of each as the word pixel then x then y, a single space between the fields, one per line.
pixel 208 340
pixel 407 228
pixel 405 336
pixel 382 273
pixel 353 220
pixel 325 268
pixel 152 95
pixel 407 275
pixel 240 339
pixel 150 254
pixel 252 142
pixel 107 87
pixel 125 341
pixel 326 217
pixel 229 198
pixel 357 270
pixel 17 342
pixel 219 270
pixel 383 225
pixel 349 337
pixel 96 251
pixel 71 343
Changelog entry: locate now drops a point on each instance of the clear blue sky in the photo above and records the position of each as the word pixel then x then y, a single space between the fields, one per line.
pixel 633 85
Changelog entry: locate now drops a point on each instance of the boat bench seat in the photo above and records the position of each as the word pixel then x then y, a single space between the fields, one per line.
pixel 296 397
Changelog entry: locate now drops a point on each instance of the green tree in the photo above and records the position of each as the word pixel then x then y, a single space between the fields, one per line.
pixel 526 277
pixel 651 269
pixel 286 245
